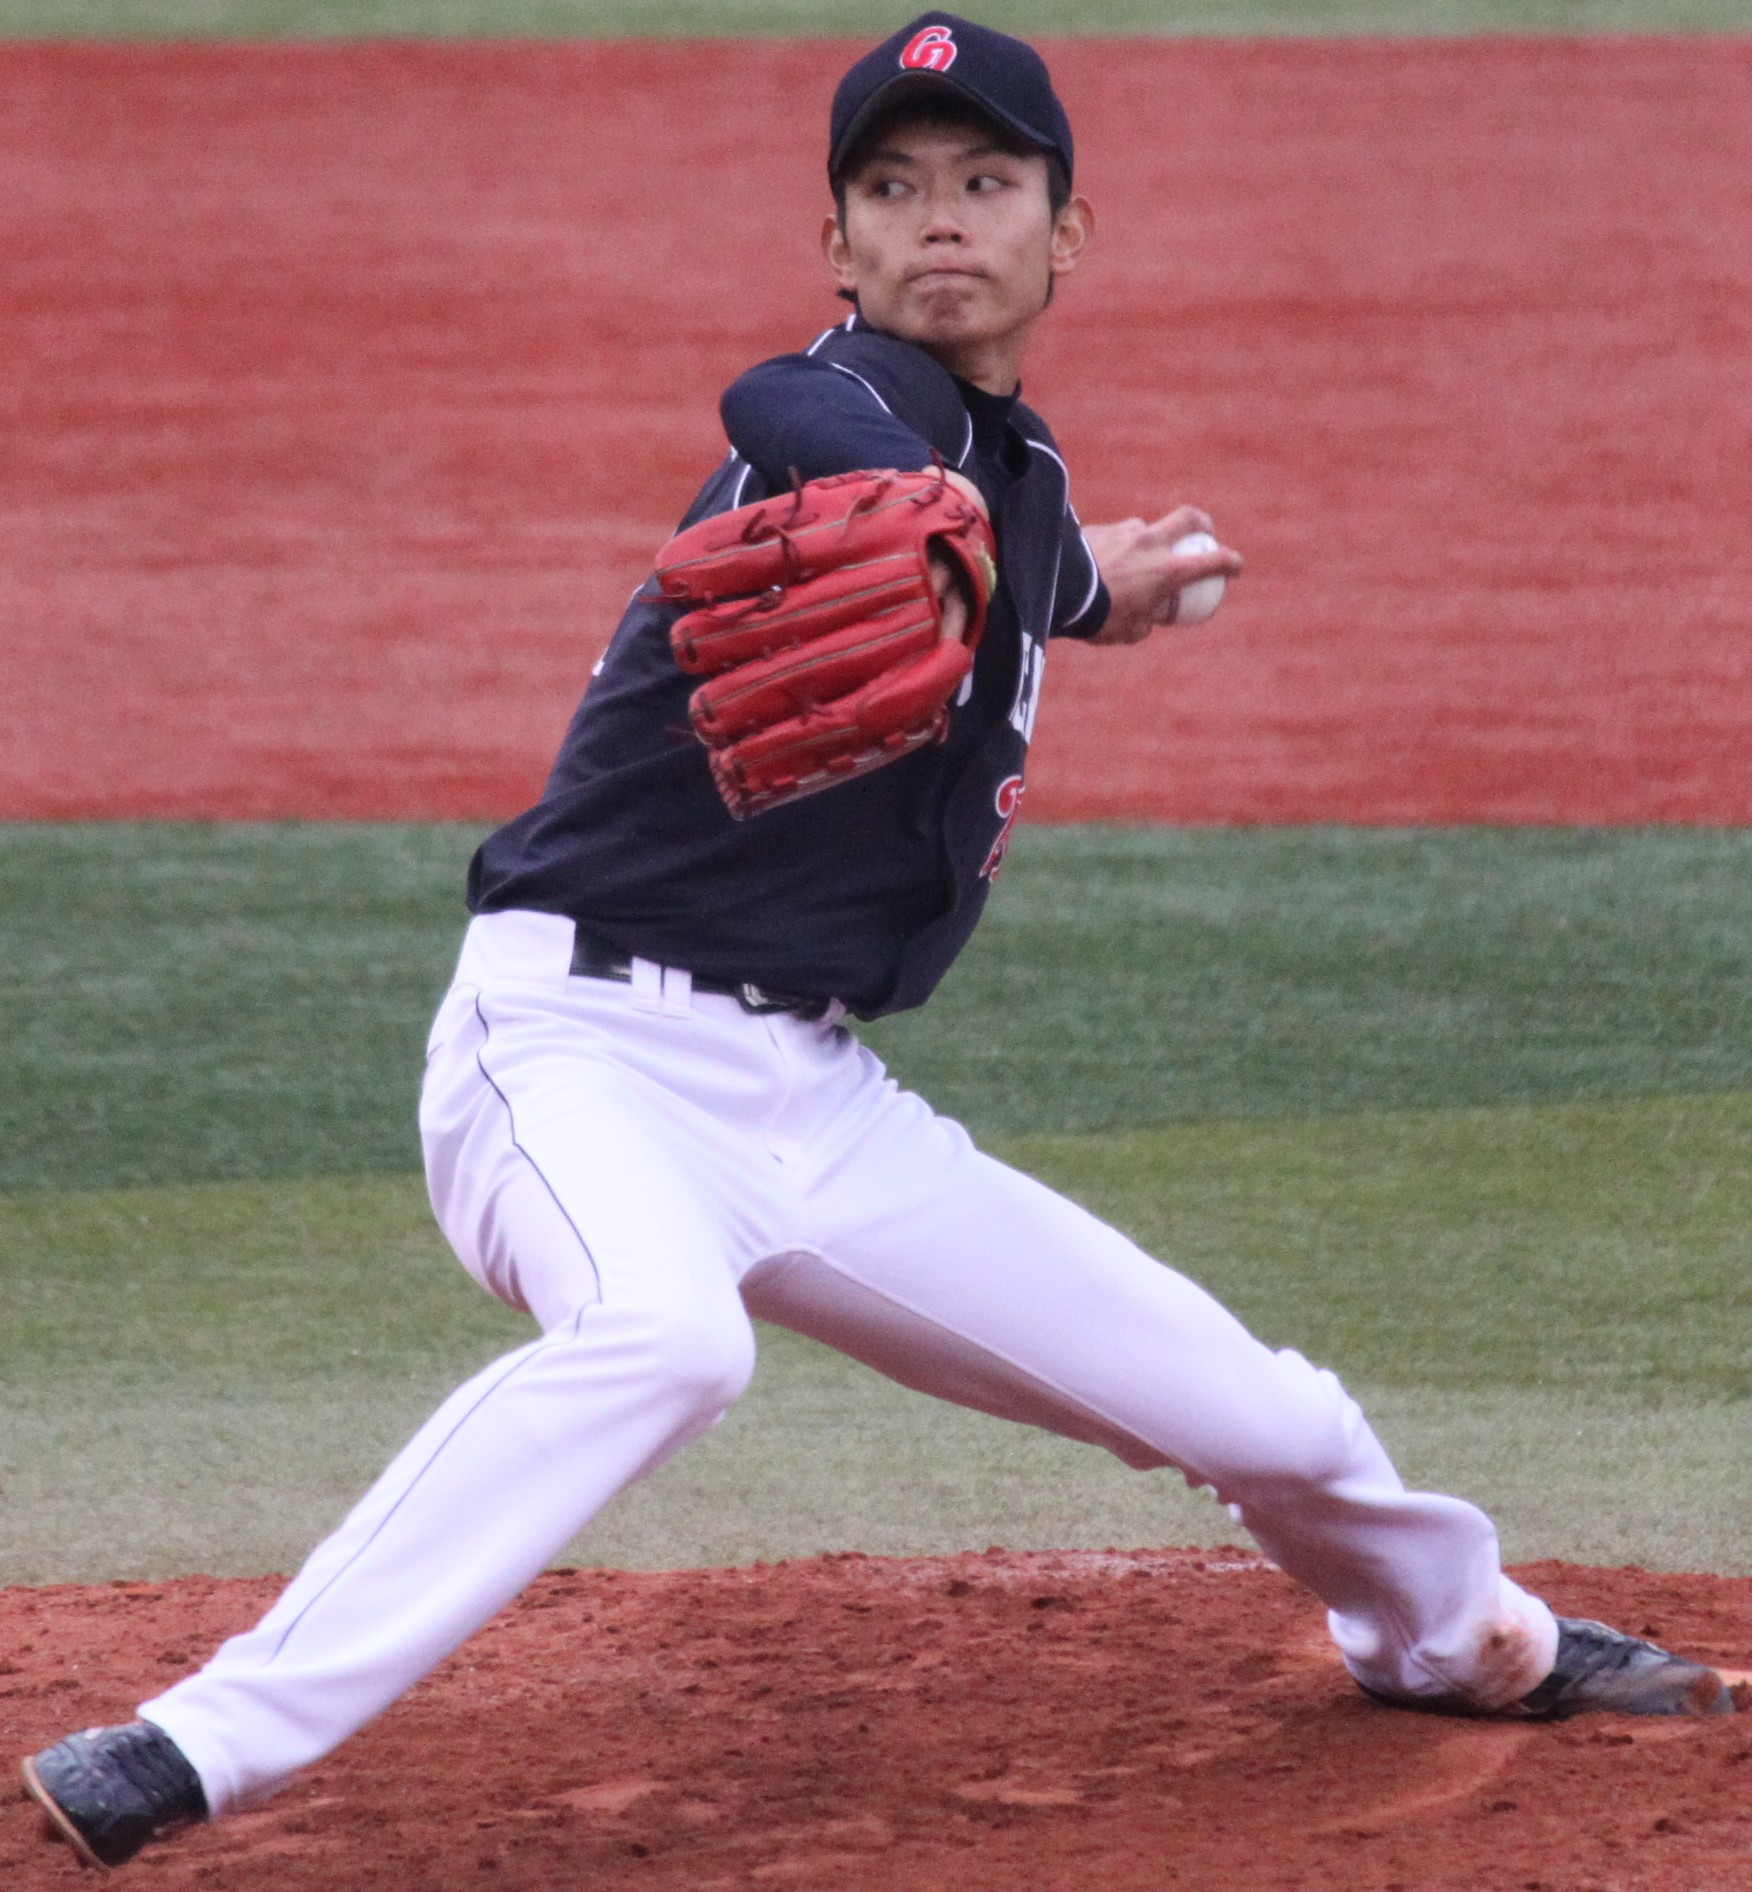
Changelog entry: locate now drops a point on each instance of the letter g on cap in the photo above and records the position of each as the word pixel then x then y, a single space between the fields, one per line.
pixel 933 49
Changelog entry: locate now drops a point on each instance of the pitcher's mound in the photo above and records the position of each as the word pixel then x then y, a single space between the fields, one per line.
pixel 1092 1721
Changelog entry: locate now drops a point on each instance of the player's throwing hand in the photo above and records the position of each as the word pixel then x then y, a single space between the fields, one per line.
pixel 1145 574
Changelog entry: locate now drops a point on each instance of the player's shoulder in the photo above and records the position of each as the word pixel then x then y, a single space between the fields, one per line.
pixel 854 344
pixel 899 376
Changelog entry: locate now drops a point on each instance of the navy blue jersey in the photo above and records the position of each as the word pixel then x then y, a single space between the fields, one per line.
pixel 866 891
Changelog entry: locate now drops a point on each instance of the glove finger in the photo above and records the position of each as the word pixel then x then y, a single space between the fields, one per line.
pixel 904 702
pixel 739 630
pixel 909 694
pixel 778 542
pixel 798 681
pixel 801 535
pixel 884 721
pixel 751 791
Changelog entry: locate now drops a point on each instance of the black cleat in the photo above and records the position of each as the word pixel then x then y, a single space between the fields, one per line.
pixel 1599 1670
pixel 1604 1669
pixel 110 1790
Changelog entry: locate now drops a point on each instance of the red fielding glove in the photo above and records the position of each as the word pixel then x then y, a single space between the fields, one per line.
pixel 818 626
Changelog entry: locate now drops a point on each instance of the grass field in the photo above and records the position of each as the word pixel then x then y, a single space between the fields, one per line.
pixel 225 1002
pixel 1466 1114
pixel 162 19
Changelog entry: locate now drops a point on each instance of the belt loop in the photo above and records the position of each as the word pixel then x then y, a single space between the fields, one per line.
pixel 647 983
pixel 677 992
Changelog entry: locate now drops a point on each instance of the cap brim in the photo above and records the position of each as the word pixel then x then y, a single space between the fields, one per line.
pixel 906 88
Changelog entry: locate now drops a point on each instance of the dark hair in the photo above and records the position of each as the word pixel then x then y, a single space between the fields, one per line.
pixel 954 113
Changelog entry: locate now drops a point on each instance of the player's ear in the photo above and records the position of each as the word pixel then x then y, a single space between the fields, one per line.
pixel 1072 230
pixel 839 255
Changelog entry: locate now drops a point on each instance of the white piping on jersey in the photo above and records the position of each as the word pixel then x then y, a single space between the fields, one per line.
pixel 967 447
pixel 877 398
pixel 1040 446
pixel 1084 608
pixel 741 482
pixel 845 327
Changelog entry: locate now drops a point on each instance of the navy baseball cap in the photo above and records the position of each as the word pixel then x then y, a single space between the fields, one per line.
pixel 941 53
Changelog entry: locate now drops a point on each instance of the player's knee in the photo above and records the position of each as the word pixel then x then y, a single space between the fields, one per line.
pixel 706 1354
pixel 1313 1433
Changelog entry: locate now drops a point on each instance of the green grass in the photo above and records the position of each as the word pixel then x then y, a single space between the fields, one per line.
pixel 1464 1114
pixel 868 19
pixel 1559 1248
pixel 193 1003
pixel 1544 1307
pixel 821 1456
pixel 1132 976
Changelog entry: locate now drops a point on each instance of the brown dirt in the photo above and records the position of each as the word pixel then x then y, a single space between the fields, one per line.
pixel 349 387
pixel 1108 1722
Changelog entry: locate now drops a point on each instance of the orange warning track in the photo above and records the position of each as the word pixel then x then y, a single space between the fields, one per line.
pixel 348 388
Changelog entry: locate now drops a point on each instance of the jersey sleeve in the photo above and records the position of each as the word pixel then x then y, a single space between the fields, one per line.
pixel 1082 603
pixel 806 417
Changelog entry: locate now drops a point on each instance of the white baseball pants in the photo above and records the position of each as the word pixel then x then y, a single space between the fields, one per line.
pixel 641 1168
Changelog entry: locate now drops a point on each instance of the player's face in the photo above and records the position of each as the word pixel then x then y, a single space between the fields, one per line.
pixel 950 241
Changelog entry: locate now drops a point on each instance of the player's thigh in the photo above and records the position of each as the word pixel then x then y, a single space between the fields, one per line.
pixel 560 1179
pixel 952 1272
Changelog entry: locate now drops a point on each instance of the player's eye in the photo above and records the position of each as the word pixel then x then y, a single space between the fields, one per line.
pixel 984 182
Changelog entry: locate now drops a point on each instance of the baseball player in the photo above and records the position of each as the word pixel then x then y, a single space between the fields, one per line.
pixel 783 801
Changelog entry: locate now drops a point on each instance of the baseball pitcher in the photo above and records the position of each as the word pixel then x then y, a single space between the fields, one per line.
pixel 781 805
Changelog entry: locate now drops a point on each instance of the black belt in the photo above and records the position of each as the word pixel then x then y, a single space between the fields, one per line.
pixel 591 959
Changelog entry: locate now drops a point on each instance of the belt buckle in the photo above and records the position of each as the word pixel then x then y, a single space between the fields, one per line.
pixel 758 1000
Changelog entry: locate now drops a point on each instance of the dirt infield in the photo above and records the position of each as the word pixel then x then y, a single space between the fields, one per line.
pixel 1080 1722
pixel 349 388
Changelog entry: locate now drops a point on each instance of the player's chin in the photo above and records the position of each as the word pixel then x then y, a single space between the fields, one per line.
pixel 950 319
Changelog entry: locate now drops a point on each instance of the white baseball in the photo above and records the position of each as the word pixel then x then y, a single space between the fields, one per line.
pixel 1195 602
